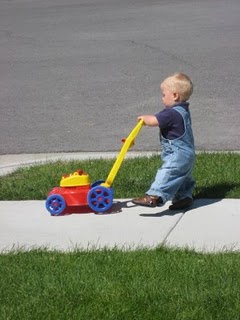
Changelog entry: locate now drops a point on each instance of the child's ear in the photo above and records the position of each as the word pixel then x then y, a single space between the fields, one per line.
pixel 176 96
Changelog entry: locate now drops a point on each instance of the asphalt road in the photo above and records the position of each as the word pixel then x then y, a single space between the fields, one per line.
pixel 74 74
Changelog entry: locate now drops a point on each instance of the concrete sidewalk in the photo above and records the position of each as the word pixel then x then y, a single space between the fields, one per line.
pixel 210 225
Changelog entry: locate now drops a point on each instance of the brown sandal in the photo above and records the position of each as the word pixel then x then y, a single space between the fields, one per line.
pixel 148 201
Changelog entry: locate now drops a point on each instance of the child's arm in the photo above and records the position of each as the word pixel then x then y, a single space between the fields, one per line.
pixel 149 120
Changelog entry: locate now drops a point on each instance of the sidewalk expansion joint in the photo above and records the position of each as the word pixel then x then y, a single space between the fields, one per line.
pixel 164 242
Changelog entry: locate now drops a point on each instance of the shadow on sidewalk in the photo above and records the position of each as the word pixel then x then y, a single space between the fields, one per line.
pixel 205 197
pixel 197 204
pixel 118 206
pixel 161 214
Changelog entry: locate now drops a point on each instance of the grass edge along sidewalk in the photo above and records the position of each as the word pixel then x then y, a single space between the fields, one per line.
pixel 217 176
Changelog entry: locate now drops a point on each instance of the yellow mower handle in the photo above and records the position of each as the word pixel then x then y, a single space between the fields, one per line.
pixel 126 146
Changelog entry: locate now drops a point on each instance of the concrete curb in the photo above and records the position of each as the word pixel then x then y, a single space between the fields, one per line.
pixel 9 163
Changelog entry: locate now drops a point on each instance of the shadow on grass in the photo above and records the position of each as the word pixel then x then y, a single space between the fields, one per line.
pixel 216 191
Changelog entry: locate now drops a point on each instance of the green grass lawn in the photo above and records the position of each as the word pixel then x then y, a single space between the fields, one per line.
pixel 157 284
pixel 111 284
pixel 217 176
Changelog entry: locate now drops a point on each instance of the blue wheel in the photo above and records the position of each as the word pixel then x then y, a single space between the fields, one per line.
pixel 55 204
pixel 100 198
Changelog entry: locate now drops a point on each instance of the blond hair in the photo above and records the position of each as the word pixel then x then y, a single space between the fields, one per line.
pixel 179 83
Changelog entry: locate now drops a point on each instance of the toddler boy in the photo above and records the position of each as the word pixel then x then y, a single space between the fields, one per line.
pixel 174 179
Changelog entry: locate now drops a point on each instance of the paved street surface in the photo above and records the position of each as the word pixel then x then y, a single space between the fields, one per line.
pixel 211 225
pixel 74 74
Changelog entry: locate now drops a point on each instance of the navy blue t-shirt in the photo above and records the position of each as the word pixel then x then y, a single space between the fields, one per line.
pixel 171 122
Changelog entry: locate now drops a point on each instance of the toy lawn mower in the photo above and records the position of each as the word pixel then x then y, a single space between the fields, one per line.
pixel 75 189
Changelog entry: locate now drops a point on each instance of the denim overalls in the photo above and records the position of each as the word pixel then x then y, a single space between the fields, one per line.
pixel 174 179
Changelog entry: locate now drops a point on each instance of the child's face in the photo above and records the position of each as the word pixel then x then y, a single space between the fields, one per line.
pixel 169 98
